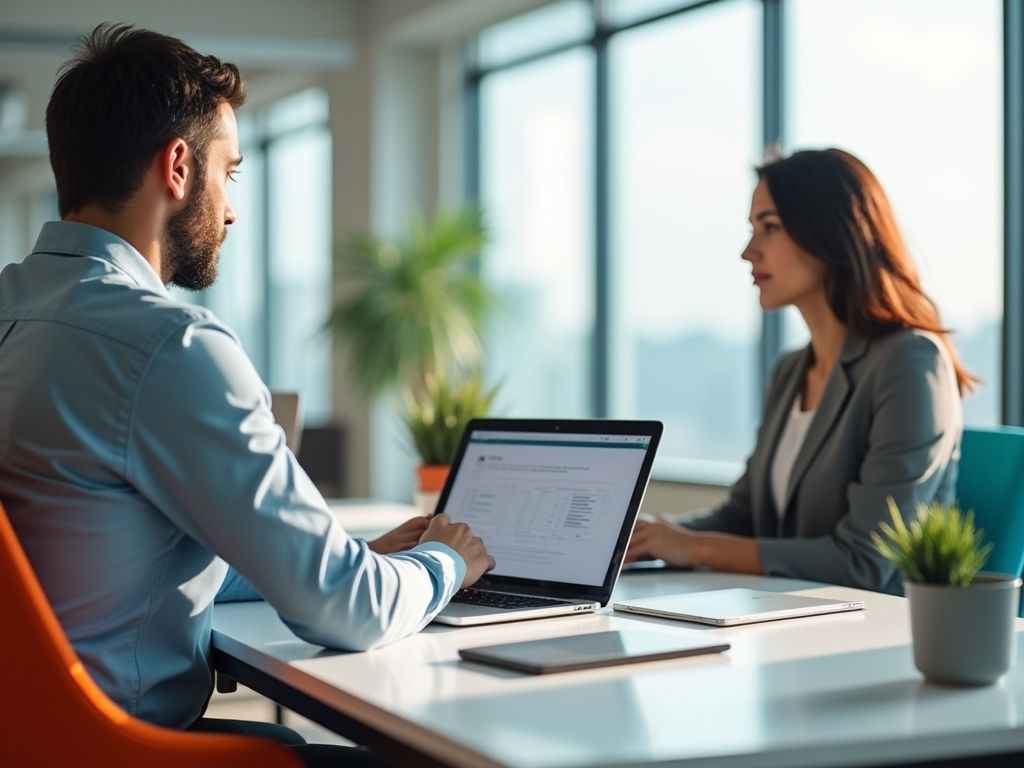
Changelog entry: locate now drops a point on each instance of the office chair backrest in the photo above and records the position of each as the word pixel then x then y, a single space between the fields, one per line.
pixel 991 482
pixel 289 412
pixel 54 714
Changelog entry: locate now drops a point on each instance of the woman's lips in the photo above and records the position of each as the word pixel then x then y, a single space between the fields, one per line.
pixel 760 278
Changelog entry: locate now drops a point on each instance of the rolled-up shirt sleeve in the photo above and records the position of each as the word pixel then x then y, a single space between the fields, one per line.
pixel 205 450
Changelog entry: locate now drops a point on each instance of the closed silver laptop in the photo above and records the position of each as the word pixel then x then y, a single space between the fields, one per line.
pixel 729 607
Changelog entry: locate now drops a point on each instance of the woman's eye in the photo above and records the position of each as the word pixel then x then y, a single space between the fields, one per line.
pixel 232 175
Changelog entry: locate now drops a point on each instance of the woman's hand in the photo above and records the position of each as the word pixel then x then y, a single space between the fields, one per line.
pixel 406 536
pixel 658 539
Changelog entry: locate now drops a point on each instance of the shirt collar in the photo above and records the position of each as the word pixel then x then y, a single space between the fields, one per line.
pixel 75 239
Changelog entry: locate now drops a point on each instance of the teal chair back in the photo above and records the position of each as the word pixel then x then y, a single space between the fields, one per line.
pixel 991 482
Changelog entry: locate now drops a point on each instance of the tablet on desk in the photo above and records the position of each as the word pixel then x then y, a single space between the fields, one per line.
pixel 729 607
pixel 599 649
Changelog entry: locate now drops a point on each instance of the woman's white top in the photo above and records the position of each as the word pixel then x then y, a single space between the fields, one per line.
pixel 786 451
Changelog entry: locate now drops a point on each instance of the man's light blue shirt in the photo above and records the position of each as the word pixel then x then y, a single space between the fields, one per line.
pixel 139 457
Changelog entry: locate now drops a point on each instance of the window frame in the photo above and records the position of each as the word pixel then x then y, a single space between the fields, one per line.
pixel 257 145
pixel 773 127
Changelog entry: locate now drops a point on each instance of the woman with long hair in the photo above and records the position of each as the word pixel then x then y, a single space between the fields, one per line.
pixel 870 409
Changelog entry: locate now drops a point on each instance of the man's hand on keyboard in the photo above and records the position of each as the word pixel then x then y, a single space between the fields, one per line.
pixel 406 536
pixel 460 537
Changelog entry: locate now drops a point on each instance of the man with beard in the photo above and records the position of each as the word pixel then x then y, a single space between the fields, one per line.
pixel 140 463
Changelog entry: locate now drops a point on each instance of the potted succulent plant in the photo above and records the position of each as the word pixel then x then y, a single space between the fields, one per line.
pixel 411 311
pixel 962 620
pixel 435 419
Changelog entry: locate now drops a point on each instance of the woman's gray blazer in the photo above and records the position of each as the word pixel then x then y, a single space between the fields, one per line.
pixel 888 424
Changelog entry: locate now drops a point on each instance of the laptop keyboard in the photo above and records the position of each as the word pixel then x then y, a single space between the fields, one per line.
pixel 501 600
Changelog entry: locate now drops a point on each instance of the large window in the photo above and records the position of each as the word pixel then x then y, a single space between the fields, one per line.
pixel 616 156
pixel 274 285
pixel 685 318
pixel 914 88
pixel 536 156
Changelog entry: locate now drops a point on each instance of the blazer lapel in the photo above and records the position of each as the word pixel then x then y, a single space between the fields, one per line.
pixel 829 407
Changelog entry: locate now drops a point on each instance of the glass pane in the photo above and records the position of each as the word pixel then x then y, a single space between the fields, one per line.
pixel 914 88
pixel 552 26
pixel 300 110
pixel 618 12
pixel 795 334
pixel 237 296
pixel 685 134
pixel 300 267
pixel 536 159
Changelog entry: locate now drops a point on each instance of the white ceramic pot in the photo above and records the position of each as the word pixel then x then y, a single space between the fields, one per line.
pixel 964 636
pixel 426 501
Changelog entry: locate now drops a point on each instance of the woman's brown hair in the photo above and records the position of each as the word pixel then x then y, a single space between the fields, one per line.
pixel 833 207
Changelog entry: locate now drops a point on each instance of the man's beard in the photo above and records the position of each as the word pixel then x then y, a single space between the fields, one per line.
pixel 192 240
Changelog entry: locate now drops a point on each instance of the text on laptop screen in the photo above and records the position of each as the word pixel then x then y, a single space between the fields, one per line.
pixel 547 506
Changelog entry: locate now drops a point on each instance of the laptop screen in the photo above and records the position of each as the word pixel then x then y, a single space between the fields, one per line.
pixel 549 506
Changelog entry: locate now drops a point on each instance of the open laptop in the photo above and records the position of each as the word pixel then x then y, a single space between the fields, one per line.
pixel 555 502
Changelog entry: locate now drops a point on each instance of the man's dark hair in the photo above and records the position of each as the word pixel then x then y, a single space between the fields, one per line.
pixel 122 96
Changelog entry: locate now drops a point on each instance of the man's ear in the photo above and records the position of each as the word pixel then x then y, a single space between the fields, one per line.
pixel 175 166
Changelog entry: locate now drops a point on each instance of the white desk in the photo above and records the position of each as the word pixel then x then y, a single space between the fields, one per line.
pixel 821 691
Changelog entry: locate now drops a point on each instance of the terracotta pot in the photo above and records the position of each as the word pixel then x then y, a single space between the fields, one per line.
pixel 432 477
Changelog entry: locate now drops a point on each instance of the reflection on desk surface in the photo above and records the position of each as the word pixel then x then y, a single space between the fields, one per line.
pixel 815 691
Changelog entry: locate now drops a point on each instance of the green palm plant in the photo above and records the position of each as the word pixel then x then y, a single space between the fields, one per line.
pixel 435 418
pixel 941 546
pixel 413 307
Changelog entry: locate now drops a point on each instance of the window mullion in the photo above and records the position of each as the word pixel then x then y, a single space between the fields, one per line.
pixel 773 124
pixel 602 335
pixel 1013 217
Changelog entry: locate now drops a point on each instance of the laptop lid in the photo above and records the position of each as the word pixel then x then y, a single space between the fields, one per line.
pixel 730 607
pixel 554 500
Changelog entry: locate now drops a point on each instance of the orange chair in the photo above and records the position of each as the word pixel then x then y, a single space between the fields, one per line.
pixel 53 712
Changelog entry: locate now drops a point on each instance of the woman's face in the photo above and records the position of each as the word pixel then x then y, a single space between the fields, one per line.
pixel 783 271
